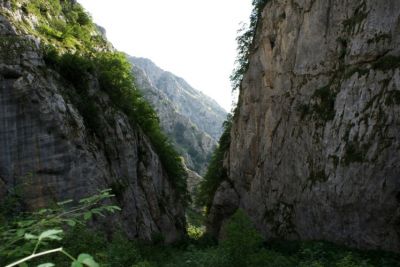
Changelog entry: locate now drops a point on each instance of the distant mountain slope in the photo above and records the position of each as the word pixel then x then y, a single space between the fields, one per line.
pixel 191 119
pixel 202 110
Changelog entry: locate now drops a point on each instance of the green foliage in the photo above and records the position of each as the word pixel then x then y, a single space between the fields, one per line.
pixel 51 32
pixel 349 261
pixel 216 173
pixel 62 23
pixel 84 260
pixel 24 236
pixel 244 44
pixel 113 73
pixel 269 258
pixel 195 232
pixel 117 250
pixel 116 79
pixel 195 257
pixel 122 252
pixel 77 70
pixel 240 239
pixel 11 205
pixel 109 250
pixel 243 246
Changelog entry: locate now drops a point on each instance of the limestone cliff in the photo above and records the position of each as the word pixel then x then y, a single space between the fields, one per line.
pixel 315 151
pixel 48 152
pixel 192 120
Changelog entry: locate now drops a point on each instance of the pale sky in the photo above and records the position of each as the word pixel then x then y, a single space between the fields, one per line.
pixel 192 39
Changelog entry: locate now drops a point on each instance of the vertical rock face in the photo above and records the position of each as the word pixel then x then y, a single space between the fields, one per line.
pixel 315 150
pixel 47 154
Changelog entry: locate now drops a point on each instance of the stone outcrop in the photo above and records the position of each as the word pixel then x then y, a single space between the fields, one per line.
pixel 192 120
pixel 48 153
pixel 315 152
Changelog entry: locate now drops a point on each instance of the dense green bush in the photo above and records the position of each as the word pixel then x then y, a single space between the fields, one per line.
pixel 240 240
pixel 77 70
pixel 31 237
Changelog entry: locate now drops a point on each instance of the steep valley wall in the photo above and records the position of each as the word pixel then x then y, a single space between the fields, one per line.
pixel 315 151
pixel 48 154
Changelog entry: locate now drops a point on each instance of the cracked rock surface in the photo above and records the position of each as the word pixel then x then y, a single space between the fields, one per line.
pixel 48 155
pixel 315 152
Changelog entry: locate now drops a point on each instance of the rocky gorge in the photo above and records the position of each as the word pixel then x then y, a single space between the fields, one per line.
pixel 306 171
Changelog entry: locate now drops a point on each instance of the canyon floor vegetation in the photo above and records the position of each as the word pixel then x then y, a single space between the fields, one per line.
pixel 65 229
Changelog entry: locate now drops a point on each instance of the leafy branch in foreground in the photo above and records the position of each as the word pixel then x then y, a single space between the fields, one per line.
pixel 53 234
pixel 22 237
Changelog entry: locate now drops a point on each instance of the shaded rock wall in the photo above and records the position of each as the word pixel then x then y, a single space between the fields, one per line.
pixel 315 150
pixel 48 154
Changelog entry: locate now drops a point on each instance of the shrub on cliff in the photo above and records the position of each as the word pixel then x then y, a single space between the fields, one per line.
pixel 115 77
pixel 113 73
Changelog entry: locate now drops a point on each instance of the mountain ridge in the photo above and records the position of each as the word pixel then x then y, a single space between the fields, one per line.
pixel 178 106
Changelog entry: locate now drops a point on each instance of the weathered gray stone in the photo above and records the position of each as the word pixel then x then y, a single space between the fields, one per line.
pixel 315 150
pixel 226 201
pixel 48 153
